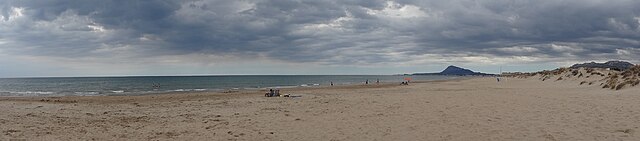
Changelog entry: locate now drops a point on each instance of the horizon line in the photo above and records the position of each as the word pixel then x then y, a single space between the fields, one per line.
pixel 180 75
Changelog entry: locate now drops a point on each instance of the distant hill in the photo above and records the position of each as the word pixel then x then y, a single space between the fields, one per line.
pixel 454 70
pixel 614 65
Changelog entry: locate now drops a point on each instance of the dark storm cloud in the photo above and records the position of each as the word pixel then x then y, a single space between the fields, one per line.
pixel 324 31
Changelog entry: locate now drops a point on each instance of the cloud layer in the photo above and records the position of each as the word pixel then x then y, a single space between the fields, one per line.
pixel 322 32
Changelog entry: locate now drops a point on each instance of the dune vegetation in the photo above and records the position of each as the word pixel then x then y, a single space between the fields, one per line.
pixel 606 78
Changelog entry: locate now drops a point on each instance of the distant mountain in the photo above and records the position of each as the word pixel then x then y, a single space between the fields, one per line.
pixel 454 70
pixel 614 65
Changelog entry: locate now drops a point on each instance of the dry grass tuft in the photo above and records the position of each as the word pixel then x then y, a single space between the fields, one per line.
pixel 597 73
pixel 589 70
pixel 621 85
pixel 618 81
pixel 630 82
pixel 583 82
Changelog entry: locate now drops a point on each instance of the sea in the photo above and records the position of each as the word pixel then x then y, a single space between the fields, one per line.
pixel 139 85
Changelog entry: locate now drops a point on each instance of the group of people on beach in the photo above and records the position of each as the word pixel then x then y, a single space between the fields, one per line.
pixel 272 93
pixel 367 81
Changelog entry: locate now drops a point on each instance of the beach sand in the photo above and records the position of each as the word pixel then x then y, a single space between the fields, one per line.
pixel 462 109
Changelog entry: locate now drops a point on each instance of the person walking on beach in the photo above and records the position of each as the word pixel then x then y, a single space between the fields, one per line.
pixel 331 83
pixel 366 82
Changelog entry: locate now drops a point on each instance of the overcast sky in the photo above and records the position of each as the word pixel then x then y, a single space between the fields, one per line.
pixel 182 37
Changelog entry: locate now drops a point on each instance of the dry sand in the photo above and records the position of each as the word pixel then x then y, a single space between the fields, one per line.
pixel 468 109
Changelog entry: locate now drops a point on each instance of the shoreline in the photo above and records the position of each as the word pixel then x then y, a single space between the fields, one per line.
pixel 114 86
pixel 192 94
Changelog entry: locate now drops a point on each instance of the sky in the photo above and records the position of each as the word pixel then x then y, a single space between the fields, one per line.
pixel 222 37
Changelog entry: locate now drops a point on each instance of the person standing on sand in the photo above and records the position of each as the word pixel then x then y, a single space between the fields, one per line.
pixel 377 81
pixel 331 83
pixel 366 82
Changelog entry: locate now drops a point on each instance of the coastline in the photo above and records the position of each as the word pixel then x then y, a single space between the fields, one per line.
pixel 460 109
pixel 114 86
pixel 225 92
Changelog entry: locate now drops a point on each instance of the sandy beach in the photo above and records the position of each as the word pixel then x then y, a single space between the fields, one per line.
pixel 462 109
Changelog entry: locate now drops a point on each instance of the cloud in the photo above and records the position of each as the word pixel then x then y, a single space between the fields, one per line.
pixel 323 32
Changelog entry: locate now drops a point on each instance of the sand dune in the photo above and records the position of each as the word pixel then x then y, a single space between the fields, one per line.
pixel 468 109
pixel 605 78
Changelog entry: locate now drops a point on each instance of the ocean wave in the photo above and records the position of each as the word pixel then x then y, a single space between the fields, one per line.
pixel 87 93
pixel 179 90
pixel 280 87
pixel 26 93
pixel 188 90
pixel 118 91
pixel 34 92
pixel 309 85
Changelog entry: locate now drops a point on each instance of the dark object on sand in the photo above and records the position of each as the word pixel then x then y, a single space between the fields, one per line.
pixel 272 93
